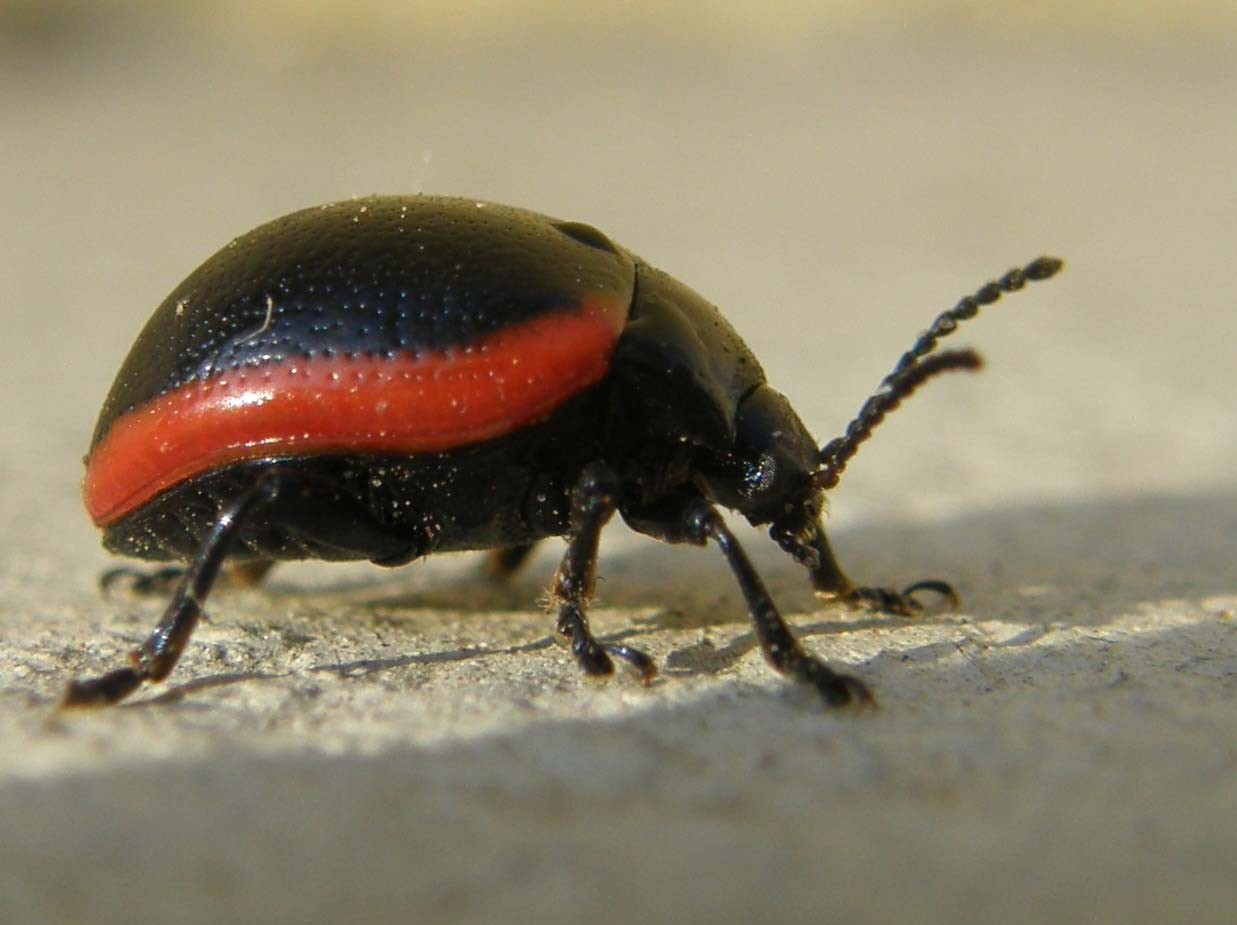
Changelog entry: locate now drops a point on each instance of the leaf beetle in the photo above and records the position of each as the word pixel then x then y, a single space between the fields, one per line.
pixel 389 377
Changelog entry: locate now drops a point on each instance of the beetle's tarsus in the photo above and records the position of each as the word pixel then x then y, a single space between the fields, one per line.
pixel 573 631
pixel 900 603
pixel 101 691
pixel 640 663
pixel 883 600
pixel 842 690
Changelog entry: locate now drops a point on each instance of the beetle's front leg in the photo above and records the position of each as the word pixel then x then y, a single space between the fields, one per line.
pixel 831 582
pixel 593 502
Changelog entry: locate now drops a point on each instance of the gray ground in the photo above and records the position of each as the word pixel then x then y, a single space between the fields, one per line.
pixel 352 744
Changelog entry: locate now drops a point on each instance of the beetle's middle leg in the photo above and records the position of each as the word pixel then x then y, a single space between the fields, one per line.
pixel 689 518
pixel 593 502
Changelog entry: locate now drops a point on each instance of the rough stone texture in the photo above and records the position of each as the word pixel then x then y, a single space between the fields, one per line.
pixel 351 744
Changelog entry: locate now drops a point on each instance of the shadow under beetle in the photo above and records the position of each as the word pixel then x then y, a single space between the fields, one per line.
pixel 390 377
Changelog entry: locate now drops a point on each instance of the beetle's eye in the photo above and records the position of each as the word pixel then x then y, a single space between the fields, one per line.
pixel 587 235
pixel 760 477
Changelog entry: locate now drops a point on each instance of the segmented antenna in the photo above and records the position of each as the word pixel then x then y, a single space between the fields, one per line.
pixel 913 370
pixel 838 452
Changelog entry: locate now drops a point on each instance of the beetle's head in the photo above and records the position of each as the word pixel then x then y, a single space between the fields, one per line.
pixel 768 476
pixel 772 475
pixel 682 365
pixel 776 474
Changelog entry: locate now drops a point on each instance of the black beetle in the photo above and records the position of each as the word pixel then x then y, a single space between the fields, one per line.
pixel 389 377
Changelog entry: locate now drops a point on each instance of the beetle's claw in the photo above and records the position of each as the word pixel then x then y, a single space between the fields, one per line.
pixel 641 664
pixel 837 690
pixel 594 660
pixel 847 691
pixel 943 588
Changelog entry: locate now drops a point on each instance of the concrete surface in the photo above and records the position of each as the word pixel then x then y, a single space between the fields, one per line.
pixel 350 744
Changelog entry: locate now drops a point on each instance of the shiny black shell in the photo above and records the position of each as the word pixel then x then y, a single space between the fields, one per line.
pixel 386 277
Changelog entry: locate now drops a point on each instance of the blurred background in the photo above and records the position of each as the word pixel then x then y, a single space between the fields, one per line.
pixel 832 174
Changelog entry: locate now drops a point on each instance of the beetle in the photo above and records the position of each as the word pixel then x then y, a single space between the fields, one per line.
pixel 390 377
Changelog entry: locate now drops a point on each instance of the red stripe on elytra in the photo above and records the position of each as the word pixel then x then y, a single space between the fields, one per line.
pixel 413 403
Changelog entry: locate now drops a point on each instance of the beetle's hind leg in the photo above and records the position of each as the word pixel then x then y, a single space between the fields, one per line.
pixel 593 503
pixel 161 580
pixel 141 581
pixel 155 658
pixel 505 561
pixel 249 573
pixel 831 582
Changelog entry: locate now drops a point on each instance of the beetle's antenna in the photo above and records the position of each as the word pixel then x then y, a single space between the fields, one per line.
pixel 914 368
pixel 838 452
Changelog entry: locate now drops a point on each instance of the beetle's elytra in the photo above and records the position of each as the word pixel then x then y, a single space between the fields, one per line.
pixel 389 377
